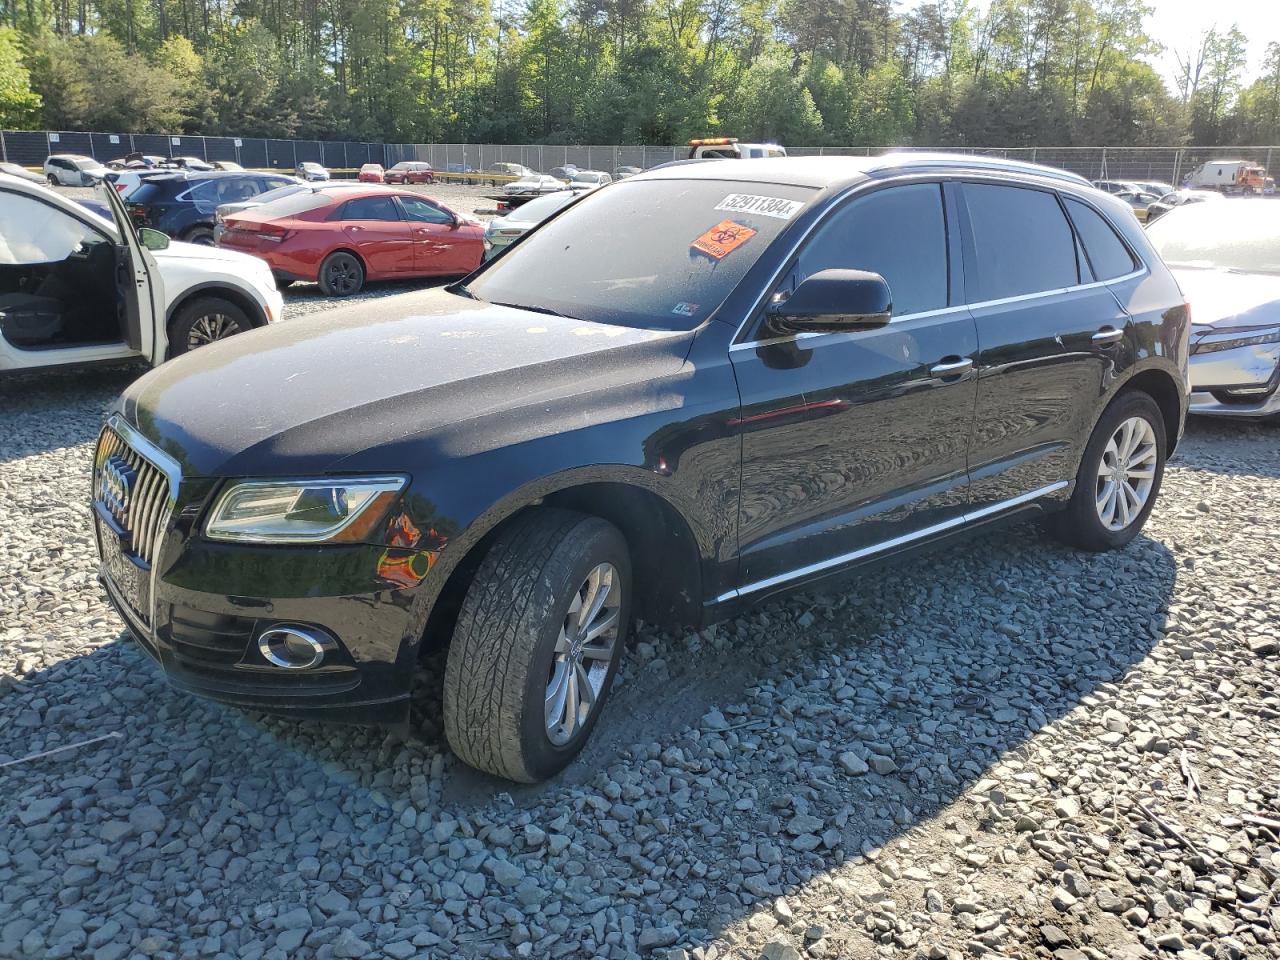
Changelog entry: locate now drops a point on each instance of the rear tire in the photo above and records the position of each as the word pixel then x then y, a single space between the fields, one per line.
pixel 537 644
pixel 341 275
pixel 1119 477
pixel 205 320
pixel 203 236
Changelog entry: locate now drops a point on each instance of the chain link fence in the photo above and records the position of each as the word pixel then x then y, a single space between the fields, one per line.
pixel 30 148
pixel 1165 164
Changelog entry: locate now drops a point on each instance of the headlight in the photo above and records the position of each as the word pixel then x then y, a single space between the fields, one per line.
pixel 302 511
pixel 1208 345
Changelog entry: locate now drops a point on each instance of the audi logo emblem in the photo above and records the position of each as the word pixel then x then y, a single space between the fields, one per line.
pixel 115 484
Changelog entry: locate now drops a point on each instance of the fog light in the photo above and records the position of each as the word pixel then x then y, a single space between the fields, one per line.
pixel 295 648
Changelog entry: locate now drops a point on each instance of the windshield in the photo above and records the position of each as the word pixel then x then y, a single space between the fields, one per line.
pixel 85 163
pixel 535 211
pixel 279 193
pixel 659 254
pixel 291 204
pixel 1234 235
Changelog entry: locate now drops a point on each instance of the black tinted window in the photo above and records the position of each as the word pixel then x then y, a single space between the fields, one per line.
pixel 370 208
pixel 1107 254
pixel 1022 240
pixel 899 233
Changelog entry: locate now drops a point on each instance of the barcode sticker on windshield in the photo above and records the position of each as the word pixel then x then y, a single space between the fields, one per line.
pixel 775 207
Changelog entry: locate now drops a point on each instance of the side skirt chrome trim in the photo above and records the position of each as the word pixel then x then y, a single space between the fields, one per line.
pixel 885 545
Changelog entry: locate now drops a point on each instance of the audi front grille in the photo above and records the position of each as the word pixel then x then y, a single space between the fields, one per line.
pixel 133 490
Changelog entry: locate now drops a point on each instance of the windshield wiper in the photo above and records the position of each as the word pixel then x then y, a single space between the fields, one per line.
pixel 534 309
pixel 462 290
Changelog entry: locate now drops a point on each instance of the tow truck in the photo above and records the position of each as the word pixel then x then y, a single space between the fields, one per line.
pixel 728 148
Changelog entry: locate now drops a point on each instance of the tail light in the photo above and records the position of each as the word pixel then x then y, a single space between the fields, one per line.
pixel 272 233
pixel 120 187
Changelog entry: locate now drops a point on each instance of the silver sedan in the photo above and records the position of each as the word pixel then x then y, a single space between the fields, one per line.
pixel 501 232
pixel 1226 257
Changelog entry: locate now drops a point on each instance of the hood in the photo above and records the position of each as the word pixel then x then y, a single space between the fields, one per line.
pixel 1222 299
pixel 302 397
pixel 177 250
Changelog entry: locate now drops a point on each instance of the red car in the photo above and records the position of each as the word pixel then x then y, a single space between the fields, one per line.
pixel 341 238
pixel 370 173
pixel 411 171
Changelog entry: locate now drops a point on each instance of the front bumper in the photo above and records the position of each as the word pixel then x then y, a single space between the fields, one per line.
pixel 1244 382
pixel 275 305
pixel 199 607
pixel 215 656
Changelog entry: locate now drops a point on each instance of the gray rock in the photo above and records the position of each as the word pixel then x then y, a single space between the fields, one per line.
pixel 147 819
pixel 651 937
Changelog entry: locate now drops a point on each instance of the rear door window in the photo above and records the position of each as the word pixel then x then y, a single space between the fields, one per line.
pixel 1106 252
pixel 1022 242
pixel 369 208
pixel 899 233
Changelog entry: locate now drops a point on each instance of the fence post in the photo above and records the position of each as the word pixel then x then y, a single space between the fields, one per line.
pixel 1177 167
pixel 1102 174
pixel 1267 165
pixel 4 152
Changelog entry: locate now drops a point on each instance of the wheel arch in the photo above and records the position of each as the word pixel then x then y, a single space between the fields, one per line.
pixel 254 310
pixel 1162 386
pixel 667 559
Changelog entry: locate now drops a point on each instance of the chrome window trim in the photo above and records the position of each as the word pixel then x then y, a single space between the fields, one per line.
pixel 917 177
pixel 884 545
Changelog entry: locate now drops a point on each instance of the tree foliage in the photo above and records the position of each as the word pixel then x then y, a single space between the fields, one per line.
pixel 804 72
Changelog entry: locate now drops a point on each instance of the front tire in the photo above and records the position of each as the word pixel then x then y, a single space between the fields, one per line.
pixel 205 321
pixel 1119 477
pixel 537 644
pixel 341 275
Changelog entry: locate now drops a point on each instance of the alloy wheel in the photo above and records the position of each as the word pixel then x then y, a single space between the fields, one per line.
pixel 211 327
pixel 342 274
pixel 1126 473
pixel 583 652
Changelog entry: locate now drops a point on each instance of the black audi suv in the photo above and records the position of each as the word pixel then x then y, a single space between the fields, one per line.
pixel 692 390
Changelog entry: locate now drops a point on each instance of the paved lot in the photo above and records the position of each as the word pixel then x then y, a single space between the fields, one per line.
pixel 1008 749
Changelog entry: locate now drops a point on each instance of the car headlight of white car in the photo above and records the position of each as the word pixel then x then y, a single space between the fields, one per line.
pixel 1218 341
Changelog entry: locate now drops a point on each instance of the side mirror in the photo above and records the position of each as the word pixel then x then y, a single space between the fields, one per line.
pixel 153 239
pixel 831 301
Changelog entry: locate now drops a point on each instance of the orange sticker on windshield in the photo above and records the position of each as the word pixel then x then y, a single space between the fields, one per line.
pixel 723 238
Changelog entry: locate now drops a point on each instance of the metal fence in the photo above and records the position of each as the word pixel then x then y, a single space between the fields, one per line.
pixel 1168 164
pixel 30 147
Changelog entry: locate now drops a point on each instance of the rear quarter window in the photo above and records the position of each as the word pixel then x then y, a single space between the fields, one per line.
pixel 1106 252
pixel 1022 241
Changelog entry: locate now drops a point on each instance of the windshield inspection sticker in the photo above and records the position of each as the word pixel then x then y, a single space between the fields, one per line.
pixel 725 237
pixel 774 207
pixel 683 309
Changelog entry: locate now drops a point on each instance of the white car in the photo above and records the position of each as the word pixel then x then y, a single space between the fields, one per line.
pixel 310 170
pixel 73 170
pixel 533 185
pixel 76 288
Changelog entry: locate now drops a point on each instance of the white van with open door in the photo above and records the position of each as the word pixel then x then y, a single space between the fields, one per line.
pixel 76 288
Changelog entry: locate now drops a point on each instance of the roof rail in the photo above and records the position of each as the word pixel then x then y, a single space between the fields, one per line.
pixel 908 158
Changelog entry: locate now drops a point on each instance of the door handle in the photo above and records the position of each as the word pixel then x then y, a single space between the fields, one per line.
pixel 1107 336
pixel 355 227
pixel 951 366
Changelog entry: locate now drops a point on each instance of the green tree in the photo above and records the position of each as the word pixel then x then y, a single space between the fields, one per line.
pixel 19 105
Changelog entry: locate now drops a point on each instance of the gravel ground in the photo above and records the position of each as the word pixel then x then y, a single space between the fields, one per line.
pixel 1004 749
